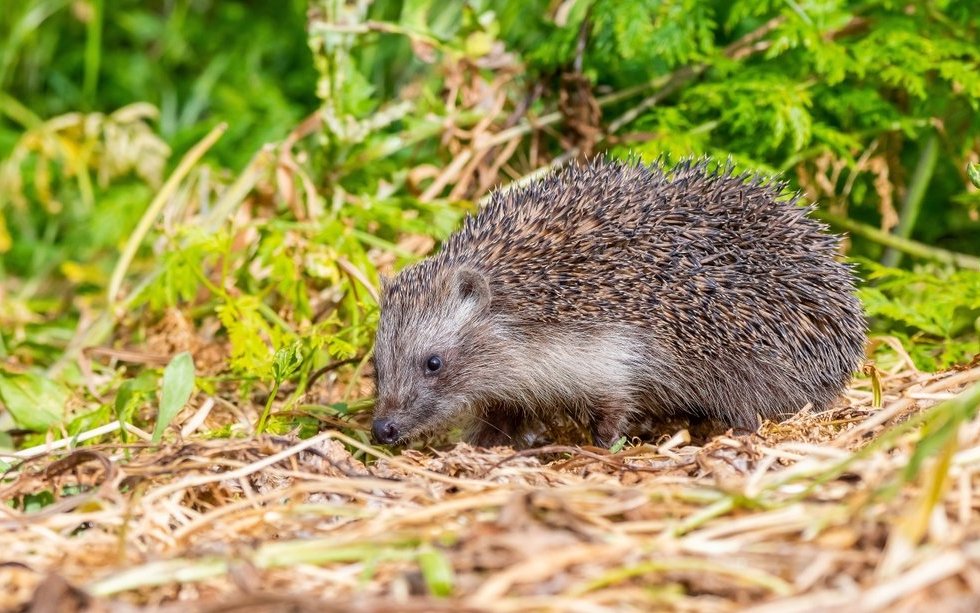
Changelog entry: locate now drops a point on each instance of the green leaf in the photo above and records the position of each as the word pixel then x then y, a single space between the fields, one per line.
pixel 437 572
pixel 6 444
pixel 247 332
pixel 973 171
pixel 176 388
pixel 32 503
pixel 131 394
pixel 341 349
pixel 35 402
pixel 286 361
pixel 124 398
pixel 618 445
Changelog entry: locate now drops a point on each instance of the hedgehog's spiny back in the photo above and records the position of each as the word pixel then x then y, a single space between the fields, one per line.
pixel 619 239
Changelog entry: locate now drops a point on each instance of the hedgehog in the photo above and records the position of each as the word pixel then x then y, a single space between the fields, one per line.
pixel 613 290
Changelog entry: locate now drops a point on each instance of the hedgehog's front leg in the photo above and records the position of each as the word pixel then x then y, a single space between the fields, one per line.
pixel 608 420
pixel 497 425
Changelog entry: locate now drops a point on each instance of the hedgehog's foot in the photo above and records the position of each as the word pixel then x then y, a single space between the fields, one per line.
pixel 608 422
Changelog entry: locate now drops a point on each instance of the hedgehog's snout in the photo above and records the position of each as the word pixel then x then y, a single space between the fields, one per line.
pixel 384 431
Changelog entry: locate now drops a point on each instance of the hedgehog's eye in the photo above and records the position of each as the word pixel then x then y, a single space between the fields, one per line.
pixel 433 363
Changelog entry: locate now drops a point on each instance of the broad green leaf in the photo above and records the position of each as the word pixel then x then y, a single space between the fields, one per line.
pixel 35 402
pixel 175 391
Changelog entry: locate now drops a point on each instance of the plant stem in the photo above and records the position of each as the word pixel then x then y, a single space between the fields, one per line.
pixel 912 205
pixel 270 555
pixel 12 108
pixel 899 243
pixel 161 199
pixel 667 564
pixel 93 51
pixel 260 426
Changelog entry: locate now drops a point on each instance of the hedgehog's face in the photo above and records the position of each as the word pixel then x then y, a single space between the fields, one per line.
pixel 432 341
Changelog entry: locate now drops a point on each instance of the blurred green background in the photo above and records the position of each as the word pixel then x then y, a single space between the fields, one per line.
pixel 197 62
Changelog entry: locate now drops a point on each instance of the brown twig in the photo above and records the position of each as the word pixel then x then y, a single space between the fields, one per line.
pixel 330 367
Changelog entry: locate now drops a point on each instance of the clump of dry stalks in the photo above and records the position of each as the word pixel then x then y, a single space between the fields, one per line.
pixel 820 511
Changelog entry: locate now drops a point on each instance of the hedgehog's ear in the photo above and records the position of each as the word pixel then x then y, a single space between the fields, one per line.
pixel 472 285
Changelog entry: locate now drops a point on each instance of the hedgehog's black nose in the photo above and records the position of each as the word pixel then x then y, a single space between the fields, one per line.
pixel 384 431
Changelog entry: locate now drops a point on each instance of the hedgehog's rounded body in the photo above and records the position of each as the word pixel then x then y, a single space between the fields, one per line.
pixel 614 289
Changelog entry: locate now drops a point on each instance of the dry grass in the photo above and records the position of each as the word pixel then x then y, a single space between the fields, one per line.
pixel 787 519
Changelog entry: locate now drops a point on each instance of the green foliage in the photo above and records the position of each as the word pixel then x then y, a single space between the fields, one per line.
pixel 935 312
pixel 253 339
pixel 132 394
pixel 66 172
pixel 768 104
pixel 198 61
pixel 940 429
pixel 32 503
